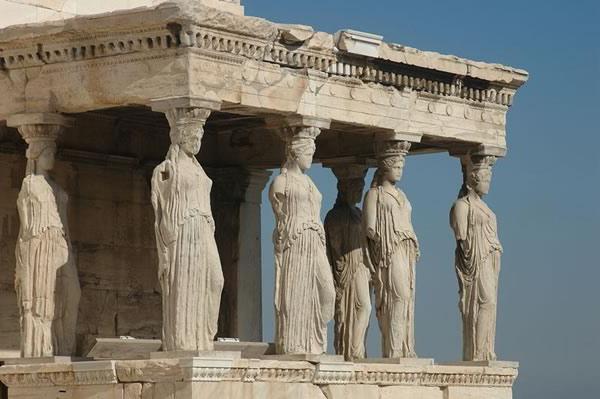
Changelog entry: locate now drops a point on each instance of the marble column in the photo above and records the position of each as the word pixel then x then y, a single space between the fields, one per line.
pixel 477 257
pixel 236 203
pixel 189 269
pixel 46 280
pixel 304 290
pixel 345 250
pixel 392 249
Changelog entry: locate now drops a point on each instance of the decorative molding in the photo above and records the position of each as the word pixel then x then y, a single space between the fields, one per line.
pixel 215 44
pixel 59 374
pixel 250 370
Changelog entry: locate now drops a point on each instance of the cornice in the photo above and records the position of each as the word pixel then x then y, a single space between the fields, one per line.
pixel 231 39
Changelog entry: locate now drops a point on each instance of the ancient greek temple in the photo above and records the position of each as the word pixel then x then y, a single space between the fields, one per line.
pixel 135 146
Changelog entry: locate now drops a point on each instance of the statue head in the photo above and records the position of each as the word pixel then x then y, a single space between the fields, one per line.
pixel 300 147
pixel 479 173
pixel 187 128
pixel 351 182
pixel 390 161
pixel 41 149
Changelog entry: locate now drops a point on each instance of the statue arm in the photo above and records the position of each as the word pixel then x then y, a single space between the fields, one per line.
pixel 28 206
pixel 277 198
pixel 164 221
pixel 165 202
pixel 459 220
pixel 370 215
pixel 22 278
pixel 334 245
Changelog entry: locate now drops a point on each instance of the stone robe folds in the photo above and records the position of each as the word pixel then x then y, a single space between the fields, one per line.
pixel 46 277
pixel 304 292
pixel 190 272
pixel 477 268
pixel 393 254
pixel 343 229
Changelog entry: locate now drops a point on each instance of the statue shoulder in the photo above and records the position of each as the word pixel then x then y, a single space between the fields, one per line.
pixel 34 186
pixel 460 207
pixel 372 193
pixel 334 214
pixel 278 184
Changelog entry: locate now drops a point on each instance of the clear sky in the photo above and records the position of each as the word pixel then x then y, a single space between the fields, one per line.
pixel 546 192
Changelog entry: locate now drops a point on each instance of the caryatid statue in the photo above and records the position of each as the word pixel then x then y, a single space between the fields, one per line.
pixel 46 280
pixel 189 268
pixel 392 250
pixel 477 259
pixel 304 291
pixel 345 239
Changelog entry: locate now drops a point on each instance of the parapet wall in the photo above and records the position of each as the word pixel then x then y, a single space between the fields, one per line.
pixel 255 378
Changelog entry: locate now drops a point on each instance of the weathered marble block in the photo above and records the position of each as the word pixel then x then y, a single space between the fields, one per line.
pixel 182 378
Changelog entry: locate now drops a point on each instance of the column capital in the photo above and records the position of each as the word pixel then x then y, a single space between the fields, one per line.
pixel 168 103
pixel 349 168
pixel 461 151
pixel 399 136
pixel 391 148
pixel 297 121
pixel 39 126
pixel 38 118
pixel 186 115
pixel 349 171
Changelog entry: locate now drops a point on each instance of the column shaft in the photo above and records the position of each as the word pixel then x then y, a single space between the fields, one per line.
pixel 236 204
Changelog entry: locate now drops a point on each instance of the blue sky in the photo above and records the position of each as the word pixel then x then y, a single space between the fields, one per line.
pixel 546 192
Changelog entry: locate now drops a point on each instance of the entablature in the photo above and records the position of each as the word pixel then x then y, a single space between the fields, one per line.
pixel 253 66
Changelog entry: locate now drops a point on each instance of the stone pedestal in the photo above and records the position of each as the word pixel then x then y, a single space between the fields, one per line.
pixel 404 361
pixel 184 378
pixel 236 205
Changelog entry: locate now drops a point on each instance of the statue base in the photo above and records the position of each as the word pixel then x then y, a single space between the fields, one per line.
pixel 193 377
pixel 196 355
pixel 305 357
pixel 122 349
pixel 404 361
pixel 249 350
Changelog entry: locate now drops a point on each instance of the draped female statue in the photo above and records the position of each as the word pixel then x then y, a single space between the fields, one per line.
pixel 304 292
pixel 343 229
pixel 189 269
pixel 46 280
pixel 392 250
pixel 477 261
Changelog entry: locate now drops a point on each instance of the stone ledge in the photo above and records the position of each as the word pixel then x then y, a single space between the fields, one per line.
pixel 59 374
pixel 250 370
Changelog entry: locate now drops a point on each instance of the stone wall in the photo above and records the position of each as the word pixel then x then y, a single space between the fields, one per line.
pixel 11 167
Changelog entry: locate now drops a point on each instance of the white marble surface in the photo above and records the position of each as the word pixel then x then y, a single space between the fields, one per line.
pixel 253 378
pixel 189 267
